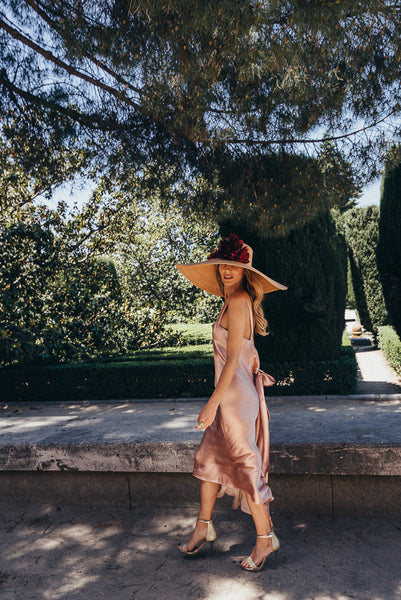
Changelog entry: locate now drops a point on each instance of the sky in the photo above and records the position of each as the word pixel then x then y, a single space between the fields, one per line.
pixel 79 191
pixel 370 194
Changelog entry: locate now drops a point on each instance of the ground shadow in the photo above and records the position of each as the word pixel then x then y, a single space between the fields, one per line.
pixel 78 553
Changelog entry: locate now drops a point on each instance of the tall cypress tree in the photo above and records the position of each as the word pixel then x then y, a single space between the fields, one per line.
pixel 389 246
pixel 306 321
pixel 361 230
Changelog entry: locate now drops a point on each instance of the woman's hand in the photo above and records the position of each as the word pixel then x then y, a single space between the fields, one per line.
pixel 206 416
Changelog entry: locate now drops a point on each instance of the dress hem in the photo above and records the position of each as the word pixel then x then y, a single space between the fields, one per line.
pixel 239 498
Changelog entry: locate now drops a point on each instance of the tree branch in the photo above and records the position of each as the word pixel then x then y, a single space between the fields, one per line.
pixel 300 140
pixel 91 120
pixel 121 96
pixel 35 6
pixel 83 118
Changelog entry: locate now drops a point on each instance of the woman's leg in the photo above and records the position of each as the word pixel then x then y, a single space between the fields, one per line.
pixel 208 495
pixel 263 525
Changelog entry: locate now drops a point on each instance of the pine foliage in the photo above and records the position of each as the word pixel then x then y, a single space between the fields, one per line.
pixel 200 84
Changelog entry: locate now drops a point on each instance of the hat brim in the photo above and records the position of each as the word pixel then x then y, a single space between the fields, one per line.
pixel 203 275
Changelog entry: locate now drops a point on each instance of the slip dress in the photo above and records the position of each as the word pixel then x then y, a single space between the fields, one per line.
pixel 234 451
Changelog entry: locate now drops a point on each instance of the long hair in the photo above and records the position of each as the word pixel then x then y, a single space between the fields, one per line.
pixel 254 289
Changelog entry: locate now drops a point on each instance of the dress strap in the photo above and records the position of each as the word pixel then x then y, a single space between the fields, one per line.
pixel 221 313
pixel 251 317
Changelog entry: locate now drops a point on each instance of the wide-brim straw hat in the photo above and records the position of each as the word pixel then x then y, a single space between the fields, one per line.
pixel 204 274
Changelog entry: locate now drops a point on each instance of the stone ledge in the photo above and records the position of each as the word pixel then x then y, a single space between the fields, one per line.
pixel 177 457
pixel 334 495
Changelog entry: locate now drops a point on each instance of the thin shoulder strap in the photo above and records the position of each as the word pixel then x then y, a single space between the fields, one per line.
pixel 251 317
pixel 250 314
pixel 222 311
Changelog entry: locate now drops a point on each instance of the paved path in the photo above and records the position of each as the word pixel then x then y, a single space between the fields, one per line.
pixel 68 554
pixel 59 552
pixel 375 376
pixel 304 419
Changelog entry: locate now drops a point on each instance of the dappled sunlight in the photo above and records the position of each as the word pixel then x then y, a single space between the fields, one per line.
pixel 301 526
pixel 347 596
pixel 16 425
pixel 71 583
pixel 180 422
pixel 76 532
pixel 336 419
pixel 219 587
pixel 82 553
pixel 85 407
pixel 45 544
pixel 117 422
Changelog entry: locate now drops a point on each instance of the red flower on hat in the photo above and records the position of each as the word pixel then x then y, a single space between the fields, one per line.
pixel 231 248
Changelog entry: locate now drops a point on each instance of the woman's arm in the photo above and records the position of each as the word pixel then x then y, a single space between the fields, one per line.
pixel 237 312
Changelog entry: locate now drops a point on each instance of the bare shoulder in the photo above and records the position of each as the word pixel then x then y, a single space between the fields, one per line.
pixel 238 302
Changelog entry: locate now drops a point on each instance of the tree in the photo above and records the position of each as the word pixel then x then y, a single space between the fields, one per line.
pixel 57 303
pixel 193 84
pixel 361 231
pixel 306 321
pixel 276 194
pixel 36 155
pixel 389 244
pixel 146 230
pixel 100 280
pixel 60 298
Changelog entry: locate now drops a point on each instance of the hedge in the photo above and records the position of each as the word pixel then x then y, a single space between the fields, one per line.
pixel 166 379
pixel 390 343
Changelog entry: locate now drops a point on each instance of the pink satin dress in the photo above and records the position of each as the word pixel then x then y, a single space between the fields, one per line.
pixel 234 450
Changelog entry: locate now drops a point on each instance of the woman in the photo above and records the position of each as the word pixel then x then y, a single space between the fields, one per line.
pixel 234 451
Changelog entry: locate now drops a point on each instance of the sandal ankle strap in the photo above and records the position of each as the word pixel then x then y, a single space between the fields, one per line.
pixel 267 536
pixel 203 521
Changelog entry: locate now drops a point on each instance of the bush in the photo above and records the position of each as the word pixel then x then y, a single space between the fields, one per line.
pixel 390 343
pixel 389 245
pixel 58 304
pixel 361 230
pixel 335 376
pixel 306 321
pixel 191 375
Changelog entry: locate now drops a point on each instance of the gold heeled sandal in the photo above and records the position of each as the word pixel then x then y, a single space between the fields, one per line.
pixel 211 535
pixel 275 545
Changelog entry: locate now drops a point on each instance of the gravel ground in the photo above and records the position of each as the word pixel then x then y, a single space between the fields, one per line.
pixel 84 553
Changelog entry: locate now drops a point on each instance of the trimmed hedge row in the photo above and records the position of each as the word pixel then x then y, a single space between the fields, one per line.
pixel 166 379
pixel 390 343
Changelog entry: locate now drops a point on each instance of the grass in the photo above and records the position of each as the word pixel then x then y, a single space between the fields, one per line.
pixel 194 334
pixel 181 352
pixel 197 344
pixel 345 342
